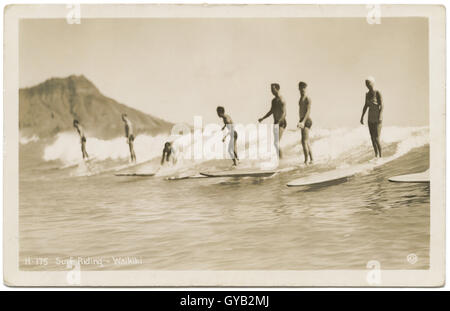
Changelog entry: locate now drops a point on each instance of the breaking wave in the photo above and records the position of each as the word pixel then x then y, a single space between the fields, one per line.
pixel 331 147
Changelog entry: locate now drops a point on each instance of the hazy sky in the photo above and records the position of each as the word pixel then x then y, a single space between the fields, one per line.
pixel 178 68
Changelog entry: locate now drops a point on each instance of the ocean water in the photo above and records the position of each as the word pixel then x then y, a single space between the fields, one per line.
pixel 71 209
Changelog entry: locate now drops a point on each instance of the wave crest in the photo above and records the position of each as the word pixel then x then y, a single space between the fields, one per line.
pixel 333 146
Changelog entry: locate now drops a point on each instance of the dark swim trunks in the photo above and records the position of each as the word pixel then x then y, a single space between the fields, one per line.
pixel 282 123
pixel 308 123
pixel 131 138
pixel 83 139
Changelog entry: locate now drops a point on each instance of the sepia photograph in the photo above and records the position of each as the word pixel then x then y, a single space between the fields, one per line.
pixel 221 145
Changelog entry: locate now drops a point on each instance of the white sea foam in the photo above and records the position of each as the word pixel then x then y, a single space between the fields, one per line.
pixel 23 140
pixel 340 145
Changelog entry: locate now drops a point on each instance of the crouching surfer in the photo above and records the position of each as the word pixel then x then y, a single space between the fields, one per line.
pixel 168 154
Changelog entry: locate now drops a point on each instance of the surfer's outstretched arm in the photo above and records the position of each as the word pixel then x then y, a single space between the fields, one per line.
pixel 225 136
pixel 266 115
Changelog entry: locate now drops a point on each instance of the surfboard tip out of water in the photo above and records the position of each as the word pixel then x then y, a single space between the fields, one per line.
pixel 196 176
pixel 333 176
pixel 423 177
pixel 239 173
pixel 135 174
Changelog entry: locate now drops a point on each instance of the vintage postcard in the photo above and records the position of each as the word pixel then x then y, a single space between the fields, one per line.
pixel 224 145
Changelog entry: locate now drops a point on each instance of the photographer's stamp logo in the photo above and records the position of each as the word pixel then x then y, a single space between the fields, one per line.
pixel 74 14
pixel 374 14
pixel 73 277
pixel 373 277
pixel 412 258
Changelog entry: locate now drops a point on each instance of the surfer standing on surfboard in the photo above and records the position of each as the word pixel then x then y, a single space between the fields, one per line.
pixel 228 123
pixel 374 102
pixel 305 122
pixel 129 135
pixel 80 131
pixel 278 109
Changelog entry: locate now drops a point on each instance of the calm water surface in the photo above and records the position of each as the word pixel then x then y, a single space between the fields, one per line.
pixel 225 224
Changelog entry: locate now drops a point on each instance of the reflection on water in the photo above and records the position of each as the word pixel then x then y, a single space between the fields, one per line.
pixel 229 224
